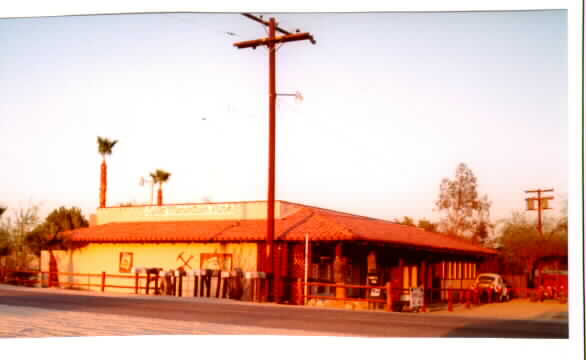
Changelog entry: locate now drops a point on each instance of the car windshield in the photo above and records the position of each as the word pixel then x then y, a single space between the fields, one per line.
pixel 486 278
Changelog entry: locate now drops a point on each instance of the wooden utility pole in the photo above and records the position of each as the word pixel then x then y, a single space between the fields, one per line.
pixel 271 43
pixel 542 204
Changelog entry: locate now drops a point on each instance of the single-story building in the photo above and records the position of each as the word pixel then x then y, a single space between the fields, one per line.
pixel 343 248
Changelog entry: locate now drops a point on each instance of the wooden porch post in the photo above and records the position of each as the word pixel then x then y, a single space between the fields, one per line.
pixel 340 271
pixel 371 261
pixel 424 283
pixel 299 292
pixel 389 296
pixel 402 272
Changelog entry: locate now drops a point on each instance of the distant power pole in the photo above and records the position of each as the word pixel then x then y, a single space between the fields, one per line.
pixel 542 204
pixel 270 42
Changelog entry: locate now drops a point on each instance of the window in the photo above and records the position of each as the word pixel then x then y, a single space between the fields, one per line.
pixel 322 269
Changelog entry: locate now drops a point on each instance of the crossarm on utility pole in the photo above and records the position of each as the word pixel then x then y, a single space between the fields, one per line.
pixel 266 23
pixel 295 37
pixel 538 191
pixel 279 39
pixel 251 43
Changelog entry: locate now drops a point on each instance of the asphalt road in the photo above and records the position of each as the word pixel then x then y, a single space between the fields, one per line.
pixel 278 317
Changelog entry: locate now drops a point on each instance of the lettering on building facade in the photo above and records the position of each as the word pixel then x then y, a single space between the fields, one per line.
pixel 192 210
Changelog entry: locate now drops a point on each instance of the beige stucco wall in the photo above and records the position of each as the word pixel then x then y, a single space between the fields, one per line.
pixel 98 258
pixel 185 212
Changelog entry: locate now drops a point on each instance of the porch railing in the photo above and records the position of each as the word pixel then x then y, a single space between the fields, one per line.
pixel 450 296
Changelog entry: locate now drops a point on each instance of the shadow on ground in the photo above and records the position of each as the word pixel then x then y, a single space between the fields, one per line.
pixel 532 329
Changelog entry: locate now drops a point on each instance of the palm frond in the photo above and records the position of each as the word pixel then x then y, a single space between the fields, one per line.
pixel 160 176
pixel 105 145
pixel 154 178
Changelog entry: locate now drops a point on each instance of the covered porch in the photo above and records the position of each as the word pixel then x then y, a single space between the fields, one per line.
pixel 375 263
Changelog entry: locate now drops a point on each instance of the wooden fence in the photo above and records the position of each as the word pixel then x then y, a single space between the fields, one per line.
pixel 174 282
pixel 170 284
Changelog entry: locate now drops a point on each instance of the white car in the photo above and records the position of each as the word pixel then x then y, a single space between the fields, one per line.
pixel 495 283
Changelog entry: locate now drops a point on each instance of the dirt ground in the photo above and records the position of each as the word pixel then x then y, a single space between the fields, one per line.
pixel 516 309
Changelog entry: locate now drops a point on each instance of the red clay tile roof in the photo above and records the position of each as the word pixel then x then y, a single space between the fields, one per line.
pixel 320 224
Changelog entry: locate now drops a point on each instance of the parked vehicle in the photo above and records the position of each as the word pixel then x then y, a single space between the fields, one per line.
pixel 493 283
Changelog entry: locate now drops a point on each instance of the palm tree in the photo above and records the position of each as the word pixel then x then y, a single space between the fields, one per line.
pixel 160 177
pixel 105 146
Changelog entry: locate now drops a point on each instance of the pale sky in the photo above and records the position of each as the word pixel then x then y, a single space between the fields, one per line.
pixel 393 102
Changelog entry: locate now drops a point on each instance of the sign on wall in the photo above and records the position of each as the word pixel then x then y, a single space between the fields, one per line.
pixel 216 261
pixel 125 265
pixel 416 297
